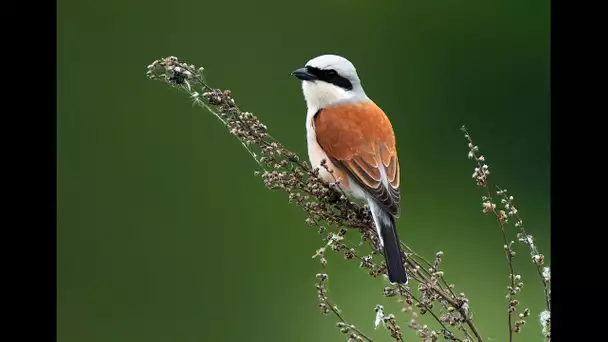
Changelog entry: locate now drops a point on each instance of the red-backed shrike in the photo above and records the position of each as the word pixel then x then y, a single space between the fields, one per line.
pixel 356 138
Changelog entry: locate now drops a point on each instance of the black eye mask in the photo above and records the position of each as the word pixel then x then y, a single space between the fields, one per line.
pixel 330 76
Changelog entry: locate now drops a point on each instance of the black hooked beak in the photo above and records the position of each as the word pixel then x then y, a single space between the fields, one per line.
pixel 303 75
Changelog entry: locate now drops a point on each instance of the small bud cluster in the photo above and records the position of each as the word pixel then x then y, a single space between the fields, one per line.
pixel 480 174
pixel 393 328
pixel 545 323
pixel 427 298
pixel 487 206
pixel 507 201
pixel 174 72
pixel 482 171
pixel 521 321
pixel 518 286
pixel 425 333
pixel 322 293
pixel 546 274
pixel 389 291
pixel 372 268
pixel 452 316
pixel 348 330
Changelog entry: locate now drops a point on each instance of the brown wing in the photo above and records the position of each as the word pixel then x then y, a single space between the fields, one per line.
pixel 359 138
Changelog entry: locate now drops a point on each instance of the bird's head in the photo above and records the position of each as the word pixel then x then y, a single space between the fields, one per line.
pixel 328 80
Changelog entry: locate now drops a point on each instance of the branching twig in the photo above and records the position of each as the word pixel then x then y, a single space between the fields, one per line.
pixel 325 306
pixel 480 175
pixel 332 212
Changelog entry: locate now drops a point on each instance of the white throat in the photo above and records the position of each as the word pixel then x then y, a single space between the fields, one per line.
pixel 320 95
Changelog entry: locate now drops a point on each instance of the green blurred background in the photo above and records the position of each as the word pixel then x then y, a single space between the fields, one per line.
pixel 164 234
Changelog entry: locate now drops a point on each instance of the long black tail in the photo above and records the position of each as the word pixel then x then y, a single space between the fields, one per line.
pixel 392 250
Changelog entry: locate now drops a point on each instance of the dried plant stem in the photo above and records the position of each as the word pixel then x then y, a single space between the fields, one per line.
pixel 450 297
pixel 326 307
pixel 445 329
pixel 537 258
pixel 509 254
pixel 330 210
pixel 337 244
pixel 480 175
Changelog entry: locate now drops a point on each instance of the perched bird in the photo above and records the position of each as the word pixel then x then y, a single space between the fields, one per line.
pixel 352 134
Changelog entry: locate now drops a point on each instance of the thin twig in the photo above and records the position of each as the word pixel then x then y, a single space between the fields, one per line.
pixel 283 170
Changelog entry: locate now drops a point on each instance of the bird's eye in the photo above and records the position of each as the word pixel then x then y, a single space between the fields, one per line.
pixel 331 73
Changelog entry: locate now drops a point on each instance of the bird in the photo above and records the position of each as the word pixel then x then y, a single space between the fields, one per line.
pixel 352 135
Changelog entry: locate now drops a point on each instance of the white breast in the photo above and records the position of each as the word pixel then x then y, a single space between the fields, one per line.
pixel 315 152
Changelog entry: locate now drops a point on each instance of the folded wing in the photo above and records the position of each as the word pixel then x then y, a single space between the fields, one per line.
pixel 359 138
